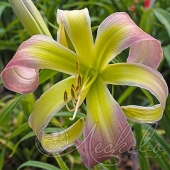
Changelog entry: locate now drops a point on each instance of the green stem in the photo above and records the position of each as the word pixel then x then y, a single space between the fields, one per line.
pixel 61 163
pixel 140 146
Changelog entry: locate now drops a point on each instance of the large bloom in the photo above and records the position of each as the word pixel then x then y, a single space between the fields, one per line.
pixel 106 131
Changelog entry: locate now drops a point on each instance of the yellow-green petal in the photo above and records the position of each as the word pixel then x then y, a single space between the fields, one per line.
pixel 49 104
pixel 77 25
pixel 59 141
pixel 29 17
pixel 144 77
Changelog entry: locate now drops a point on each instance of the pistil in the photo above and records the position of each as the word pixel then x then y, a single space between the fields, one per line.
pixel 78 88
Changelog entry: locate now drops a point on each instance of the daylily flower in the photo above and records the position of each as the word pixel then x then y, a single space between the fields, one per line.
pixel 106 131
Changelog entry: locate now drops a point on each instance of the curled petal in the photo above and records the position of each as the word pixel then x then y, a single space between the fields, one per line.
pixel 141 76
pixel 78 27
pixel 118 32
pixel 59 141
pixel 38 52
pixel 106 132
pixel 29 17
pixel 20 79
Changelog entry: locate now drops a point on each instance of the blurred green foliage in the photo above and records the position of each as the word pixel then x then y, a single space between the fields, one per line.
pixel 17 142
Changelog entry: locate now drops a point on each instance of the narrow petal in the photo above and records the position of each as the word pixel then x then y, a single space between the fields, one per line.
pixel 30 17
pixel 62 38
pixel 38 52
pixel 107 132
pixel 45 108
pixel 141 76
pixel 118 32
pixel 78 27
pixel 48 105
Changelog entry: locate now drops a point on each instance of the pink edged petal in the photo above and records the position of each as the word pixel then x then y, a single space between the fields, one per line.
pixel 38 52
pixel 106 132
pixel 118 32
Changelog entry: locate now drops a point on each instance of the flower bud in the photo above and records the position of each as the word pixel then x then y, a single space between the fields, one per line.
pixel 30 17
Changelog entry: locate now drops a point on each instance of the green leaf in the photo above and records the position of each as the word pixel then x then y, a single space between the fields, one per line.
pixel 158 139
pixel 3 5
pixel 163 17
pixel 158 156
pixel 147 21
pixel 2 155
pixel 29 135
pixel 69 114
pixel 126 94
pixel 38 164
pixel 7 144
pixel 165 121
pixel 140 145
pixel 19 130
pixel 6 112
pixel 7 45
pixel 105 6
pixel 46 74
pixel 167 54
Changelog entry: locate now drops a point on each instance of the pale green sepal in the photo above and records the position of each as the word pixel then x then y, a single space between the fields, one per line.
pixel 58 142
pixel 30 17
pixel 149 114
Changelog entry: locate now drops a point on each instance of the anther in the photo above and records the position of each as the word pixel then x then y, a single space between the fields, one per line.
pixel 66 100
pixel 72 86
pixel 65 96
pixel 73 94
pixel 79 80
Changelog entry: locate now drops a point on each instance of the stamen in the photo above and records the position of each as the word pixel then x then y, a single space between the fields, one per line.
pixel 66 100
pixel 73 93
pixel 70 110
pixel 92 81
pixel 78 88
pixel 77 106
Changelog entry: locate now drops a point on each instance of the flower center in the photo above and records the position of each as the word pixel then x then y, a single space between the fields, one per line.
pixel 79 89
